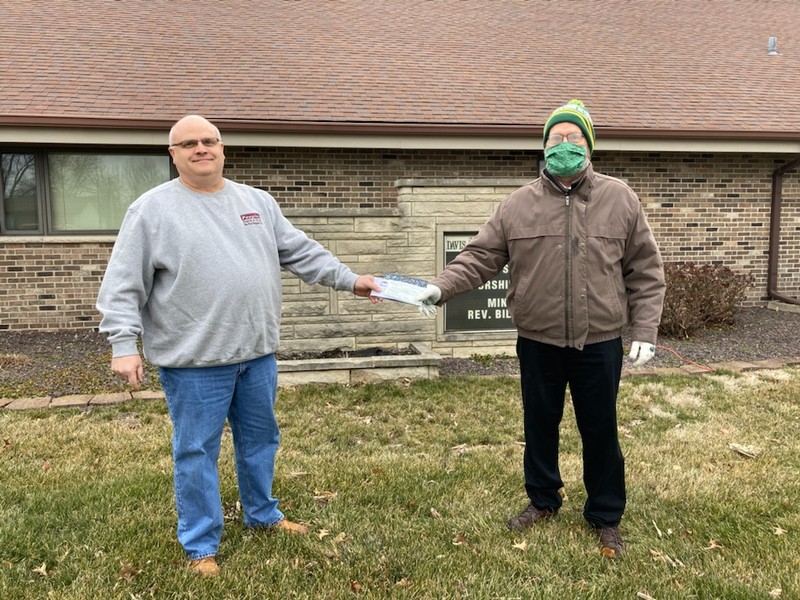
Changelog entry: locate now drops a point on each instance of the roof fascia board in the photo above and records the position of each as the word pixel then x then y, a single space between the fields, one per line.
pixel 434 140
pixel 228 124
pixel 699 145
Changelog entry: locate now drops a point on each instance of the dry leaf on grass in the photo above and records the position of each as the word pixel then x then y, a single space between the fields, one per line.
pixel 341 538
pixel 523 545
pixel 41 570
pixel 127 572
pixel 436 514
pixel 778 530
pixel 323 498
pixel 658 555
pixel 658 531
pixel 746 451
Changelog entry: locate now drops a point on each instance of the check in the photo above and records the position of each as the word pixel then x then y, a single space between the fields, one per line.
pixel 400 288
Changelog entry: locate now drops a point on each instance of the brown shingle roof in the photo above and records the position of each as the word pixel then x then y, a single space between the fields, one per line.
pixel 650 67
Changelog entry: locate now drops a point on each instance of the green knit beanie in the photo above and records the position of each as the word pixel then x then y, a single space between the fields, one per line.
pixel 574 112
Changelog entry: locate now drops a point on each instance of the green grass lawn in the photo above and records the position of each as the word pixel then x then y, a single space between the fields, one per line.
pixel 407 488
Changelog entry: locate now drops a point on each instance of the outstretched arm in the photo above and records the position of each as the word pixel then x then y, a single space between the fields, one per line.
pixel 429 298
pixel 364 285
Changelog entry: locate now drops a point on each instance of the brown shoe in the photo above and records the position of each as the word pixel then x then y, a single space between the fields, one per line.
pixel 207 567
pixel 529 517
pixel 611 544
pixel 291 527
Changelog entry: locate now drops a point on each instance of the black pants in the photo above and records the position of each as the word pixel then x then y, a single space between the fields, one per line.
pixel 593 376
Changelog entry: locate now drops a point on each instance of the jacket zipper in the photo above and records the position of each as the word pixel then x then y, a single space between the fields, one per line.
pixel 568 271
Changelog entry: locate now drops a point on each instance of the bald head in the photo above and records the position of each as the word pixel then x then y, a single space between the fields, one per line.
pixel 187 122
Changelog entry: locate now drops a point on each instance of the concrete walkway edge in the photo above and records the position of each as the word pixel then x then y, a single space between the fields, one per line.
pixel 85 401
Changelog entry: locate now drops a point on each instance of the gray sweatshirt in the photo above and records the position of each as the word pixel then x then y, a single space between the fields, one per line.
pixel 197 276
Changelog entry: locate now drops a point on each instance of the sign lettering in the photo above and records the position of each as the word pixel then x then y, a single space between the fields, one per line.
pixel 482 309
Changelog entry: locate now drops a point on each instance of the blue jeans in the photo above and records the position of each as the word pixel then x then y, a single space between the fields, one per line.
pixel 199 400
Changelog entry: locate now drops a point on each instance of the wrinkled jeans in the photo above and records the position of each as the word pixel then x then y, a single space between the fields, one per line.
pixel 199 400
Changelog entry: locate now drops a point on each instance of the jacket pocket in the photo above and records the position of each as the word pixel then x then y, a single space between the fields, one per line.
pixel 536 270
pixel 607 297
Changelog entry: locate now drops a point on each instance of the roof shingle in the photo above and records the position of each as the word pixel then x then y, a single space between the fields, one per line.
pixel 651 66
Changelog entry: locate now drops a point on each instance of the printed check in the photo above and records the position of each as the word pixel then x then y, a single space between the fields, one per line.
pixel 400 288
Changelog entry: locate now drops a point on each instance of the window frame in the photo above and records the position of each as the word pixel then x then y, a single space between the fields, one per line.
pixel 42 179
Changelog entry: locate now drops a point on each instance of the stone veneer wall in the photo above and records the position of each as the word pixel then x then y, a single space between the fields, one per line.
pixel 702 207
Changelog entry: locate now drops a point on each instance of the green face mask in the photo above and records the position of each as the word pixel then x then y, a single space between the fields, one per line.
pixel 565 159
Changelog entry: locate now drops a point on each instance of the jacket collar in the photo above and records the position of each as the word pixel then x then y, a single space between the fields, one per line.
pixel 584 174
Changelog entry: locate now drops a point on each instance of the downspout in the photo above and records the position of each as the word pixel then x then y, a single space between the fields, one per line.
pixel 775 232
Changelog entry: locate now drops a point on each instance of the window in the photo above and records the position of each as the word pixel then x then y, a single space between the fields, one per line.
pixel 20 210
pixel 73 192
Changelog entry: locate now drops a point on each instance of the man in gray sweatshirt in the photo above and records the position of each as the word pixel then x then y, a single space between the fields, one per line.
pixel 195 272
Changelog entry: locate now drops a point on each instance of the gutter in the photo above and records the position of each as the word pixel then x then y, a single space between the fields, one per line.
pixel 775 233
pixel 526 130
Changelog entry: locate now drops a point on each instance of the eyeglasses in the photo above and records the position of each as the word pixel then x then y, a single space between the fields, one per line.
pixel 572 138
pixel 207 142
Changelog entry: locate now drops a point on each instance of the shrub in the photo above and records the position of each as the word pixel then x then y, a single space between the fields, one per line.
pixel 488 360
pixel 700 296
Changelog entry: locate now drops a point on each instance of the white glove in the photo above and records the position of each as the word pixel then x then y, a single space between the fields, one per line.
pixel 641 352
pixel 428 298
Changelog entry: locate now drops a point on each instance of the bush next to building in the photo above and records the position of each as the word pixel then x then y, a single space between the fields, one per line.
pixel 701 296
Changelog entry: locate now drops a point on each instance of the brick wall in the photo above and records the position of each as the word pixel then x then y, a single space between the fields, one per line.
pixel 715 208
pixel 51 285
pixel 361 179
pixel 702 207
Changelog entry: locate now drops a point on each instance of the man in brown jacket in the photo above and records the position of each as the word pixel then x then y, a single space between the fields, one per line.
pixel 582 263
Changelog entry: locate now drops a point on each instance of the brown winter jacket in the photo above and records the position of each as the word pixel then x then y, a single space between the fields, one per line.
pixel 580 266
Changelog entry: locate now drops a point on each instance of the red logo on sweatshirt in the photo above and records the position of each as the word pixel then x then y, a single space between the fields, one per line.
pixel 251 219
